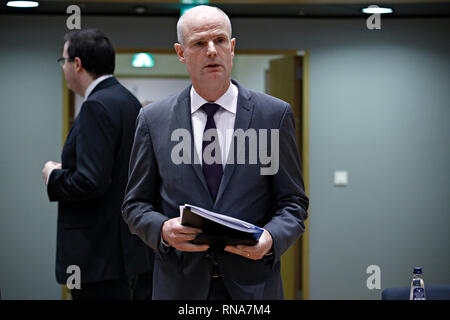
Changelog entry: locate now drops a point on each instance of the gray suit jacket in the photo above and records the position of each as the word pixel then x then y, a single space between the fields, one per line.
pixel 157 186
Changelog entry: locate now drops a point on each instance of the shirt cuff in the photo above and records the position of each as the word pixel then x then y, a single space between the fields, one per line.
pixel 164 243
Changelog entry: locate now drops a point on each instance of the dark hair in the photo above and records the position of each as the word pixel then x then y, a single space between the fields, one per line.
pixel 94 50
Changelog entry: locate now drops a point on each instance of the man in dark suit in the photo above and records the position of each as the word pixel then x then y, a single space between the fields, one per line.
pixel 89 185
pixel 162 177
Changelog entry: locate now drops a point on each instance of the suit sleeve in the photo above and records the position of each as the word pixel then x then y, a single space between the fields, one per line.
pixel 95 143
pixel 291 202
pixel 139 209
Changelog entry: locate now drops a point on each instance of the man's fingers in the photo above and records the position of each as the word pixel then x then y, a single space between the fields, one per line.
pixel 244 251
pixel 182 237
pixel 50 164
pixel 252 250
pixel 188 230
pixel 172 231
pixel 179 228
pixel 190 247
pixel 235 250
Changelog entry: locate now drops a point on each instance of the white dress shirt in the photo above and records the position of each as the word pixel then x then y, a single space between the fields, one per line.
pixel 224 119
pixel 94 84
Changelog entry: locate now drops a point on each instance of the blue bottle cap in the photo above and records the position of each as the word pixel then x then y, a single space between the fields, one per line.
pixel 417 270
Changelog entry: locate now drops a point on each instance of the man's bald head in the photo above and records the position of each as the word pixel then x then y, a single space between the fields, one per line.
pixel 198 11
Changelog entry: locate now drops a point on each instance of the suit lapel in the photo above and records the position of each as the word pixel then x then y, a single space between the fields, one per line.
pixel 182 111
pixel 244 112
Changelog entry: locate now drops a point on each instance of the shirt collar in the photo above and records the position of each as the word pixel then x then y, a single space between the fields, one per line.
pixel 94 83
pixel 228 100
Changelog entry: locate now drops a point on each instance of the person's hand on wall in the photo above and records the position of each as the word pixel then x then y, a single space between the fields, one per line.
pixel 48 168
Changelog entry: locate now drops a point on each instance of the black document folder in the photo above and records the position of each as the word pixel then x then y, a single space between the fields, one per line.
pixel 219 230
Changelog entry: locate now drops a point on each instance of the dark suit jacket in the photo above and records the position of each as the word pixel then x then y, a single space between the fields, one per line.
pixel 157 186
pixel 90 190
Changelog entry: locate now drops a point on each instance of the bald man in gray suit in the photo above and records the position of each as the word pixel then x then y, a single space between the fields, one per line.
pixel 158 183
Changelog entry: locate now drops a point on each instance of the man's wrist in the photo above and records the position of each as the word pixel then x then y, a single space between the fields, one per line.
pixel 48 176
pixel 164 243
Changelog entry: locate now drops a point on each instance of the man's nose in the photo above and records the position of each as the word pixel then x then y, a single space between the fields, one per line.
pixel 211 49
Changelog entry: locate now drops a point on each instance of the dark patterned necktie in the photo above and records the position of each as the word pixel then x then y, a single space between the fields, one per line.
pixel 213 172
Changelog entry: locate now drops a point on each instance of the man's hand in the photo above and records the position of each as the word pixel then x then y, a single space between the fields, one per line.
pixel 256 252
pixel 48 168
pixel 179 236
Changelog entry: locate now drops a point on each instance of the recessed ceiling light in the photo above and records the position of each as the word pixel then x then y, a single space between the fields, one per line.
pixel 140 9
pixel 376 10
pixel 22 4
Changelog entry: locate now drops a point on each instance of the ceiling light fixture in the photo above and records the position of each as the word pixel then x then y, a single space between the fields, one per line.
pixel 376 10
pixel 140 9
pixel 22 4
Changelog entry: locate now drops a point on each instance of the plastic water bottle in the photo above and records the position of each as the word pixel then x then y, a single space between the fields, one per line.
pixel 417 285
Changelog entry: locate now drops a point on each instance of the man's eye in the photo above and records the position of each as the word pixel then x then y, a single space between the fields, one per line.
pixel 198 43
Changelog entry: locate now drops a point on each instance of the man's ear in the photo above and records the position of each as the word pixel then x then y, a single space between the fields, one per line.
pixel 78 64
pixel 180 52
pixel 233 43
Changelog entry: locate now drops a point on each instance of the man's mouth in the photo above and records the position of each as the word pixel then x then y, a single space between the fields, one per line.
pixel 212 65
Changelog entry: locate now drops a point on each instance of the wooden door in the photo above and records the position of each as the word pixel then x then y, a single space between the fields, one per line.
pixel 285 80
